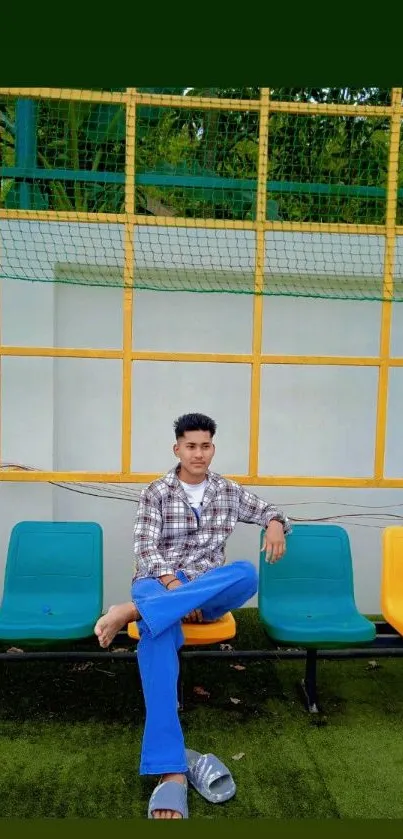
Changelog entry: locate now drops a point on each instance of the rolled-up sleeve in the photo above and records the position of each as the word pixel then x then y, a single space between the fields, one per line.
pixel 253 510
pixel 146 537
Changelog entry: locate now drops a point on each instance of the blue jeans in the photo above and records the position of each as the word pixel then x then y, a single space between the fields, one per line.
pixel 215 592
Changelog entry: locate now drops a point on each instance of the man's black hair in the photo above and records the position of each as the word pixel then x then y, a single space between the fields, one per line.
pixel 194 422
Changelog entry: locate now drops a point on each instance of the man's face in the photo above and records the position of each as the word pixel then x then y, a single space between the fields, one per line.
pixel 195 451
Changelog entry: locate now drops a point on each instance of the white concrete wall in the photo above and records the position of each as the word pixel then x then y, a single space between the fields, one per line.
pixel 116 518
pixel 66 413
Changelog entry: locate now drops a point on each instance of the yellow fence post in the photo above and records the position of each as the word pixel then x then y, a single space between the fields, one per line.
pixel 128 280
pixel 261 202
pixel 1 360
pixel 388 271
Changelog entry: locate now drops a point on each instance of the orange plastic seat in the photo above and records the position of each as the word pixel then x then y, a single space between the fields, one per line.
pixel 197 634
pixel 392 577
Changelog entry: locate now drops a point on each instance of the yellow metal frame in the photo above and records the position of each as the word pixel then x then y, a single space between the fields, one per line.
pixel 128 280
pixel 389 262
pixel 130 99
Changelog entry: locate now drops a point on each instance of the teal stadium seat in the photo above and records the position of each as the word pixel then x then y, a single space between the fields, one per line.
pixel 53 586
pixel 307 598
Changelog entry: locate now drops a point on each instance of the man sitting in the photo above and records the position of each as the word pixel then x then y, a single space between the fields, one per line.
pixel 184 520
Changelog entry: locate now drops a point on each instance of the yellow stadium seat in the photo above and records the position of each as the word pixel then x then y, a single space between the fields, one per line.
pixel 198 634
pixel 392 577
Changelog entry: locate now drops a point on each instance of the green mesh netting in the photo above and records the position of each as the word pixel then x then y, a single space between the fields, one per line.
pixel 199 164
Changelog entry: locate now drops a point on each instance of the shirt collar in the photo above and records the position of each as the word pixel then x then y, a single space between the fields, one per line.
pixel 172 479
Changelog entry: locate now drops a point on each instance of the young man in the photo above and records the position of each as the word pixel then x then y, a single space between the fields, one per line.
pixel 184 520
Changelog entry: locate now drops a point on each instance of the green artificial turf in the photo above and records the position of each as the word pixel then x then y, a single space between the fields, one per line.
pixel 70 736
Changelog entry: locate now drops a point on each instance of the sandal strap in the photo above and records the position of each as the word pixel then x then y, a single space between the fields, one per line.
pixel 169 795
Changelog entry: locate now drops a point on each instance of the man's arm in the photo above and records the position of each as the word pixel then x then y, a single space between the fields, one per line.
pixel 146 535
pixel 254 510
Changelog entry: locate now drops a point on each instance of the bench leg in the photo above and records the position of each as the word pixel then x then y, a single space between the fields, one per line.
pixel 308 684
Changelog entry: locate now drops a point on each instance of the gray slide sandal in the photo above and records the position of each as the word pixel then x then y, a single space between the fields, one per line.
pixel 210 777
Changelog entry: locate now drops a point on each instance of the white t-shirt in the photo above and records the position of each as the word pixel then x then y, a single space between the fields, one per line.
pixel 194 494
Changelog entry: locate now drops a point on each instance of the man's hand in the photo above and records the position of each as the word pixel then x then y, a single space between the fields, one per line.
pixel 194 617
pixel 274 542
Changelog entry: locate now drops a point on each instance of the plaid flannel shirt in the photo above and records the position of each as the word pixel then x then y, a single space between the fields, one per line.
pixel 169 537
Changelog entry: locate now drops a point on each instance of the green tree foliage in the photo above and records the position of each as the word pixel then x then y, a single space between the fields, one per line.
pixel 206 159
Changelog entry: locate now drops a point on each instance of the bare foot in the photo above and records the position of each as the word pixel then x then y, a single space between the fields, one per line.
pixel 115 619
pixel 169 814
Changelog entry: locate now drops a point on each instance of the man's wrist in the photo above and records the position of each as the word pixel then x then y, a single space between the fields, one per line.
pixel 276 518
pixel 173 584
pixel 165 579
